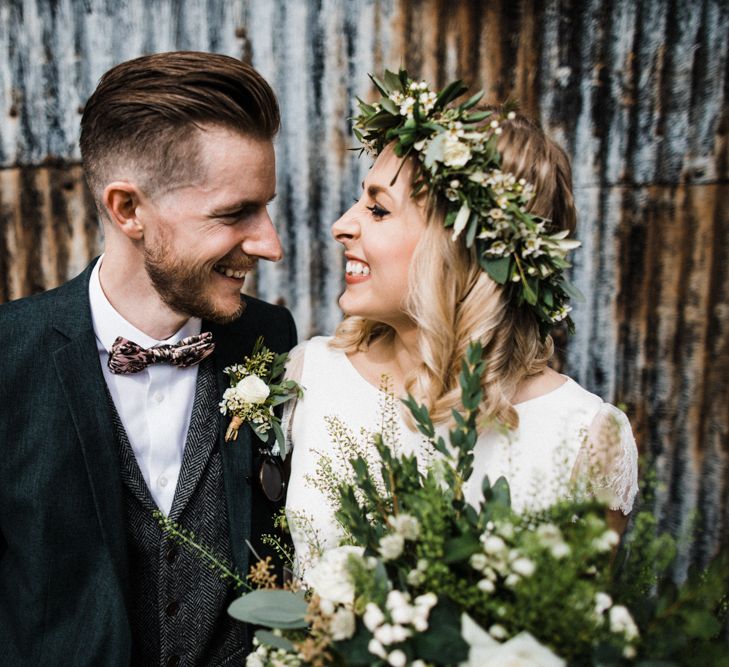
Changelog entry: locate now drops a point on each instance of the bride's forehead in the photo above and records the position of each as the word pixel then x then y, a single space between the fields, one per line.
pixel 382 173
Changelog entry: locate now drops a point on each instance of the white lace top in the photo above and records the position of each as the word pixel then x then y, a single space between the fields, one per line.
pixel 563 436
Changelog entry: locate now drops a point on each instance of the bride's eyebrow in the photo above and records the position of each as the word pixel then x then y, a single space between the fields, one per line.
pixel 374 190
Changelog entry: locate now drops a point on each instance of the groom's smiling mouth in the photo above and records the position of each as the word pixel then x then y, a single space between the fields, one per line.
pixel 229 272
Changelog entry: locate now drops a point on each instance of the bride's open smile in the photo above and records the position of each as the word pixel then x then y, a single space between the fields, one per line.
pixel 380 233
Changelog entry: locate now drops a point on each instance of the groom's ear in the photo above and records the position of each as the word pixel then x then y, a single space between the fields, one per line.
pixel 121 200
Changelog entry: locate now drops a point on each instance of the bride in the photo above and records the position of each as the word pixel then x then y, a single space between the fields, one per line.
pixel 461 239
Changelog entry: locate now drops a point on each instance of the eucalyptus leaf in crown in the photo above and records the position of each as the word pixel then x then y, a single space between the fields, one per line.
pixel 456 147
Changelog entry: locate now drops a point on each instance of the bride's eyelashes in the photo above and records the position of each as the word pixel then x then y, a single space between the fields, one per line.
pixel 377 211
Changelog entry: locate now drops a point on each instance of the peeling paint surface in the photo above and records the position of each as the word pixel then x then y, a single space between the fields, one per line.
pixel 636 92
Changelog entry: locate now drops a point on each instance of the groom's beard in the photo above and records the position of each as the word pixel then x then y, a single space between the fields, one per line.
pixel 187 289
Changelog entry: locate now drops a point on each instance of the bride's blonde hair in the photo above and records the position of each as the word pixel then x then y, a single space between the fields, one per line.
pixel 453 301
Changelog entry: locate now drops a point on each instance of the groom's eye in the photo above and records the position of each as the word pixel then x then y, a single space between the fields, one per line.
pixel 378 211
pixel 234 216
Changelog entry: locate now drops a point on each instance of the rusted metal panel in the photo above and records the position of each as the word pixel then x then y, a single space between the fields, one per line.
pixel 634 91
pixel 48 228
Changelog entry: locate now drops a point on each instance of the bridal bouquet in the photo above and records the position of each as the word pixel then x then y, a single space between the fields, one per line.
pixel 423 578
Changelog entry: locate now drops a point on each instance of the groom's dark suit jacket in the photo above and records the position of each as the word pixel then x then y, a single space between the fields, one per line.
pixel 64 573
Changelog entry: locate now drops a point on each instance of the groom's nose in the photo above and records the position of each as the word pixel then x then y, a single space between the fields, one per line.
pixel 262 240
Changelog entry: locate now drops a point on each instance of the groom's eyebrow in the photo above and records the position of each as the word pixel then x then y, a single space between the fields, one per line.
pixel 237 206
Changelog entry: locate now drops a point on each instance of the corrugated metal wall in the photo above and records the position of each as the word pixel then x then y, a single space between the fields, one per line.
pixel 635 91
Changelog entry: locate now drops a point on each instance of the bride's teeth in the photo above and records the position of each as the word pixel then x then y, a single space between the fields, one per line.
pixel 355 268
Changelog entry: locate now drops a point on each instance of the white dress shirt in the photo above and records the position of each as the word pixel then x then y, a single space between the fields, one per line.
pixel 155 404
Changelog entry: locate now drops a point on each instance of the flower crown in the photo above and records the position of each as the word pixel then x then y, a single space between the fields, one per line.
pixel 457 151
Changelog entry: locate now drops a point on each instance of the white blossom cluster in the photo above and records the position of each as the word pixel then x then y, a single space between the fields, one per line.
pixel 406 617
pixel 619 619
pixel 498 560
pixel 332 581
pixel 416 92
pixel 263 656
pixel 405 527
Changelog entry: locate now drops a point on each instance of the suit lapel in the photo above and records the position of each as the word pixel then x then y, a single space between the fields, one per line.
pixel 79 372
pixel 237 456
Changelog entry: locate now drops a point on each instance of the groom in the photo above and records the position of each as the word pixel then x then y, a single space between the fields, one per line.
pixel 177 151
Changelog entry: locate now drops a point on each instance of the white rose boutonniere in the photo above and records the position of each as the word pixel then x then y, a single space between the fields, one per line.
pixel 252 389
pixel 256 387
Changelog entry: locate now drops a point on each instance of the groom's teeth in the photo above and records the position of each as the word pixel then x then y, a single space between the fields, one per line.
pixel 230 272
pixel 354 268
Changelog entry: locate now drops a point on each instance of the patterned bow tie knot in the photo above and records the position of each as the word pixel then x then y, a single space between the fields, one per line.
pixel 127 357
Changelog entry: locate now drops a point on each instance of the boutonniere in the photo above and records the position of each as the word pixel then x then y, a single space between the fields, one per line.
pixel 256 388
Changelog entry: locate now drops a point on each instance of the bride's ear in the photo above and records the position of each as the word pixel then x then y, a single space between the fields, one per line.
pixel 121 200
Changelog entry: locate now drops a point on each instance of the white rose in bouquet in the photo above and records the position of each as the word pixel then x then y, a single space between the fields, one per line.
pixel 330 578
pixel 520 651
pixel 252 389
pixel 342 625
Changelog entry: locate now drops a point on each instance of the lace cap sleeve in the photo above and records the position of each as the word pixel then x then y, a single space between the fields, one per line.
pixel 607 463
pixel 294 371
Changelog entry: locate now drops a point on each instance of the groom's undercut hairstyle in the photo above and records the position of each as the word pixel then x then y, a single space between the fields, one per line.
pixel 146 115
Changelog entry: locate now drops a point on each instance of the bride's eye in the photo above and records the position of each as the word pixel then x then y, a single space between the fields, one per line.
pixel 378 211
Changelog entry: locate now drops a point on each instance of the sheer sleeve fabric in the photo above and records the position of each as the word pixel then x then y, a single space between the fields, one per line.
pixel 294 371
pixel 607 463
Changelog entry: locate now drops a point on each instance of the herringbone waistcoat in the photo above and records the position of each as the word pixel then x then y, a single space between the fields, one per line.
pixel 178 603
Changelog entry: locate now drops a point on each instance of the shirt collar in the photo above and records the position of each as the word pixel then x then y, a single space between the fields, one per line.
pixel 109 324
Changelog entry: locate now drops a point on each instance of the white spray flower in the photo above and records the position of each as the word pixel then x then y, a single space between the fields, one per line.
pixel 406 525
pixel 373 616
pixel 621 622
pixel 478 561
pixel 603 602
pixel 391 546
pixel 375 648
pixel 494 545
pixel 342 624
pixel 523 566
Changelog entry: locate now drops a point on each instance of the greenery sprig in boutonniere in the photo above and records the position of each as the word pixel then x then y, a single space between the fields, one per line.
pixel 256 388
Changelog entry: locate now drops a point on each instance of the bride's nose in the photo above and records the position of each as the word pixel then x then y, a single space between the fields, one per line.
pixel 347 227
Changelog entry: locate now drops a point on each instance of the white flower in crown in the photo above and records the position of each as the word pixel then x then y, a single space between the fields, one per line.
pixel 455 153
pixel 252 389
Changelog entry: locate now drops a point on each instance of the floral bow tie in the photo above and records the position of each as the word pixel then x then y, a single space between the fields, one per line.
pixel 127 357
